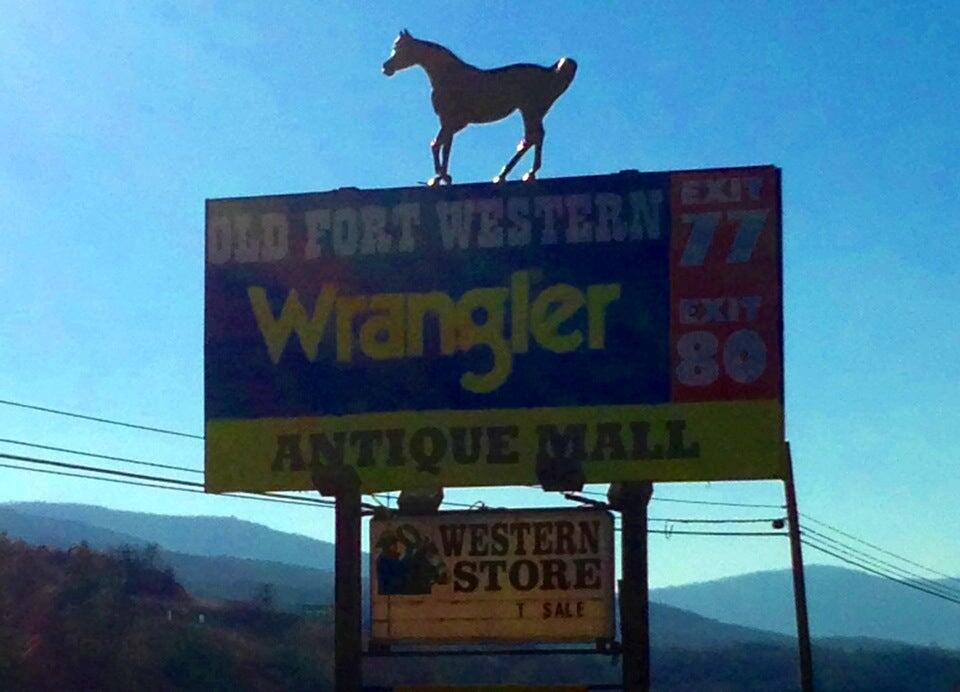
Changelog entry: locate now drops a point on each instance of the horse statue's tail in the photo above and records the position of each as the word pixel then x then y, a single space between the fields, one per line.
pixel 565 70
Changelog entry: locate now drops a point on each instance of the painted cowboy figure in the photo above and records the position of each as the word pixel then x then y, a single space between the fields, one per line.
pixel 409 563
pixel 464 94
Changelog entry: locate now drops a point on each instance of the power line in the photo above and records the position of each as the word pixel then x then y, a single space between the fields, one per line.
pixel 98 469
pixel 716 503
pixel 127 460
pixel 94 455
pixel 877 572
pixel 879 563
pixel 716 521
pixel 97 419
pixel 876 547
pixel 655 498
pixel 295 498
pixel 711 533
pixel 260 498
pixel 479 504
pixel 160 479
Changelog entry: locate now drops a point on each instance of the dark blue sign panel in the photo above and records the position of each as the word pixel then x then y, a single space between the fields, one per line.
pixel 340 325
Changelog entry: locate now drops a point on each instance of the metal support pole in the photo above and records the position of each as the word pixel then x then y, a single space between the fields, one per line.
pixel 348 653
pixel 799 586
pixel 632 500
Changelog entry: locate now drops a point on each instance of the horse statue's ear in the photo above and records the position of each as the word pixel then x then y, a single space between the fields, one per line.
pixel 404 33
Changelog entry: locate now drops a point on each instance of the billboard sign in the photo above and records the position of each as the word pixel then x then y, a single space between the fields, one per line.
pixel 606 328
pixel 493 576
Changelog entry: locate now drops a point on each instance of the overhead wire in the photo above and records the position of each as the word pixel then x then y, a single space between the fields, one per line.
pixel 878 562
pixel 96 469
pixel 682 532
pixel 655 498
pixel 684 520
pixel 879 573
pixel 576 497
pixel 824 524
pixel 479 504
pixel 98 419
pixel 127 460
pixel 160 479
pixel 259 498
pixel 716 503
pixel 95 455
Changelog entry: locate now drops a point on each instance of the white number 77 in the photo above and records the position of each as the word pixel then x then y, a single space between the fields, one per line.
pixel 749 223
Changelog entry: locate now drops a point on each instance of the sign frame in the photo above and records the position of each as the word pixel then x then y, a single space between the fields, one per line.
pixel 277 452
pixel 606 538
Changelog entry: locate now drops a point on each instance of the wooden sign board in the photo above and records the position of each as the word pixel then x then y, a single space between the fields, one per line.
pixel 493 576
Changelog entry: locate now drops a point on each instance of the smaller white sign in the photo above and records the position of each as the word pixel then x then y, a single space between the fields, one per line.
pixel 493 576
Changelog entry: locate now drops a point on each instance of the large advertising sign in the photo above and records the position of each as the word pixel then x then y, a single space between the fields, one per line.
pixel 493 576
pixel 600 328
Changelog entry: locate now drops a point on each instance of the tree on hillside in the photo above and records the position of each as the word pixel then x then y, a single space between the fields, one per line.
pixel 265 596
pixel 142 574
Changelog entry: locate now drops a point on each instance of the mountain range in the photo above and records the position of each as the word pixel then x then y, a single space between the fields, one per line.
pixel 196 535
pixel 227 558
pixel 841 603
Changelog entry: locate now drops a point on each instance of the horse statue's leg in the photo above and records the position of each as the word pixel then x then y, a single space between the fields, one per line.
pixel 522 148
pixel 538 134
pixel 435 150
pixel 532 173
pixel 445 160
pixel 532 137
pixel 440 147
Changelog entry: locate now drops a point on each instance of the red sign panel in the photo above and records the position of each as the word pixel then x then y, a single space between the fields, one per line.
pixel 725 285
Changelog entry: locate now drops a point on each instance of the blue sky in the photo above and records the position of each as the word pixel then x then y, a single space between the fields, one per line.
pixel 119 119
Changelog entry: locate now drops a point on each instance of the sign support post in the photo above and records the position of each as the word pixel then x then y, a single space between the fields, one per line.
pixel 632 500
pixel 799 586
pixel 348 624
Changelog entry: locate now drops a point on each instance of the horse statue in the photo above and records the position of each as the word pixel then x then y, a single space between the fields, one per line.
pixel 464 94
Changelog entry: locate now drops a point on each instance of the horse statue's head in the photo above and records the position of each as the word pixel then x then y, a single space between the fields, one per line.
pixel 403 54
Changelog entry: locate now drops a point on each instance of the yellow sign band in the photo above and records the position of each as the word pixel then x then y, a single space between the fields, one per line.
pixel 737 440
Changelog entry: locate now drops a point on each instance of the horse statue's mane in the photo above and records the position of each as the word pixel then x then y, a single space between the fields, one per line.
pixel 465 94
pixel 438 47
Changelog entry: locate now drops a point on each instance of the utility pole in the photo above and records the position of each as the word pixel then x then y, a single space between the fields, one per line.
pixel 632 499
pixel 799 585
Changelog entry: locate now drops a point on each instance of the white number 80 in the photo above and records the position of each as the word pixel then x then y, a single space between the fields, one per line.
pixel 744 357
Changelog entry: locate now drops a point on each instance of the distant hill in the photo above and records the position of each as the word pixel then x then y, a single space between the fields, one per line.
pixel 217 577
pixel 59 533
pixel 673 627
pixel 199 535
pixel 841 602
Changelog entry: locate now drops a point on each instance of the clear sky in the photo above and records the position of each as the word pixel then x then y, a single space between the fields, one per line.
pixel 119 119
